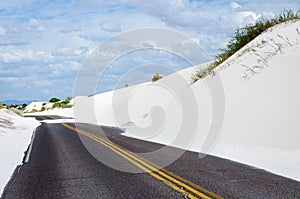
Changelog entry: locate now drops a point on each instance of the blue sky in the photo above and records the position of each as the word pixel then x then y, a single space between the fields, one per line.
pixel 43 44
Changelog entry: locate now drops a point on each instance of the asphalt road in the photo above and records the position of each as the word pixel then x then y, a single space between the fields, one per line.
pixel 60 166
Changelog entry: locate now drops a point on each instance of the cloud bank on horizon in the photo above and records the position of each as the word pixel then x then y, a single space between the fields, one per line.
pixel 44 43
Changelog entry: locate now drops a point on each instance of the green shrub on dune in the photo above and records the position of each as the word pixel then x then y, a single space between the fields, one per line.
pixel 243 36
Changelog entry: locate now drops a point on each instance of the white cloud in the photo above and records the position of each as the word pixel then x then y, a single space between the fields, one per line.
pixel 33 22
pixel 111 26
pixel 10 58
pixel 74 65
pixel 2 31
pixel 36 25
pixel 71 52
pixel 149 44
pixel 50 41
pixel 8 79
pixel 42 83
pixel 235 5
pixel 247 17
pixel 14 55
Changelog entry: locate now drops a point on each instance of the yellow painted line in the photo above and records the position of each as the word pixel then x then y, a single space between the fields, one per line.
pixel 172 174
pixel 193 184
pixel 146 161
pixel 164 174
pixel 178 177
pixel 143 168
pixel 150 167
pixel 170 184
pixel 138 160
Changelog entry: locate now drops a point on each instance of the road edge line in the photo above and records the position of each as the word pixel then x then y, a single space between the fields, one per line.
pixel 28 152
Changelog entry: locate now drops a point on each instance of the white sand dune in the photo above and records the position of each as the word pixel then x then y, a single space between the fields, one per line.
pixel 15 137
pixel 261 106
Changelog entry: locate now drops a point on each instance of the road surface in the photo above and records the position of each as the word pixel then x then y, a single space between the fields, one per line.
pixel 60 166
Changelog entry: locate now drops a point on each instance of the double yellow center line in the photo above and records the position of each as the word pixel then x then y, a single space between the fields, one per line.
pixel 179 184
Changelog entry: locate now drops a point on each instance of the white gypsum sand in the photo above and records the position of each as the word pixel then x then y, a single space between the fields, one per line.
pixel 15 137
pixel 262 107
